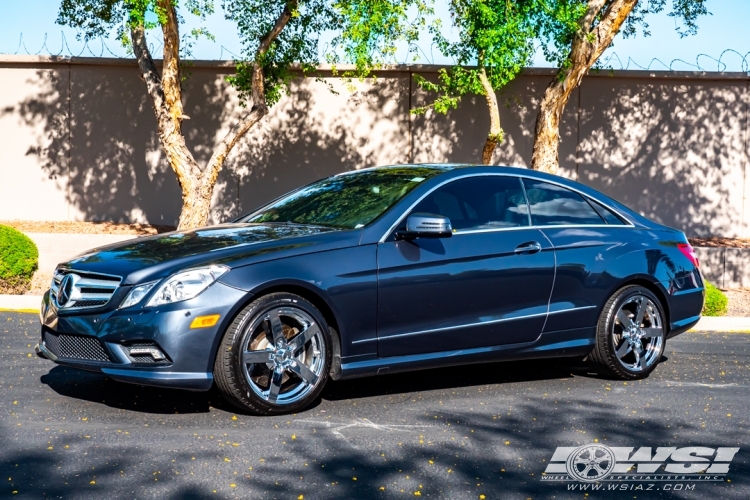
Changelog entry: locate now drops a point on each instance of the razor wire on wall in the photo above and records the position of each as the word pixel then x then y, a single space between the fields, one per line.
pixel 610 61
pixel 97 48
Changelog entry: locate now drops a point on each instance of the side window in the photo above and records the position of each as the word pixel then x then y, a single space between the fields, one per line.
pixel 483 202
pixel 553 205
pixel 608 215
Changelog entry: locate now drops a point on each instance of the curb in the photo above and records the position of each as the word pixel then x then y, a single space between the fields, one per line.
pixel 20 303
pixel 723 324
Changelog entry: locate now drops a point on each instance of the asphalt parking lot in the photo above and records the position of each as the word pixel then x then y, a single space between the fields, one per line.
pixel 484 431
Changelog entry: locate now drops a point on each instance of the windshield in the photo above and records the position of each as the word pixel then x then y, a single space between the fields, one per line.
pixel 346 201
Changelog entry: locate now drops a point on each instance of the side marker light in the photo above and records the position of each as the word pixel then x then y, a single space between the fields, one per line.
pixel 205 321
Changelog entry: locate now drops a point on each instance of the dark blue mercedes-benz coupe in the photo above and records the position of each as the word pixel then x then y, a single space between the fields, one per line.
pixel 379 271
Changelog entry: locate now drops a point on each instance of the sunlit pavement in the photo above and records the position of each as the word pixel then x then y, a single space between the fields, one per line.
pixel 485 431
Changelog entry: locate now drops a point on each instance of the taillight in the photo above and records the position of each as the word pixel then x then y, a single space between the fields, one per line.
pixel 689 252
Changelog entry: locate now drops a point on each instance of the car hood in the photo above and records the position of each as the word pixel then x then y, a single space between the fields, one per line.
pixel 153 257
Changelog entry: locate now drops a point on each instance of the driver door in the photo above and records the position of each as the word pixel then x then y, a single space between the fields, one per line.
pixel 489 284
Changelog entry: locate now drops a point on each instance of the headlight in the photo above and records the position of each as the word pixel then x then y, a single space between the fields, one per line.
pixel 186 285
pixel 137 294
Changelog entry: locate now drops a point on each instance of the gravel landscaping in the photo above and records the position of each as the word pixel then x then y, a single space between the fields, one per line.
pixel 718 241
pixel 739 302
pixel 85 227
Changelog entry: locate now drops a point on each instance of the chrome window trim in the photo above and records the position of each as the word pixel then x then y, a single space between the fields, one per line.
pixel 628 222
pixel 478 323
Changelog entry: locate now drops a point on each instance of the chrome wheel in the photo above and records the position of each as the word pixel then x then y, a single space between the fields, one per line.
pixel 638 333
pixel 283 356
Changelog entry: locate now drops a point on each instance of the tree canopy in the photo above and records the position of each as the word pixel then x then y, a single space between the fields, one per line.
pixel 574 35
pixel 279 39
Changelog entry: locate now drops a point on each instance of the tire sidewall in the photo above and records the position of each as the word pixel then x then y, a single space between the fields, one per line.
pixel 246 396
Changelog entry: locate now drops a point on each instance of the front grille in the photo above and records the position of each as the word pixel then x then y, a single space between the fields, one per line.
pixel 83 289
pixel 75 347
pixel 95 290
pixel 88 303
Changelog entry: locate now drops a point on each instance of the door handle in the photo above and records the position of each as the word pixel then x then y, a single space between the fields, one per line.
pixel 530 247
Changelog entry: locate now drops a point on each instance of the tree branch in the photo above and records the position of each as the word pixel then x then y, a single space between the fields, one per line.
pixel 148 69
pixel 259 109
pixel 180 159
pixel 228 142
pixel 171 82
pixel 259 94
pixel 495 135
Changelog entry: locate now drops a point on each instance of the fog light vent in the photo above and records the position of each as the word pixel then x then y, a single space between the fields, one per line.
pixel 146 353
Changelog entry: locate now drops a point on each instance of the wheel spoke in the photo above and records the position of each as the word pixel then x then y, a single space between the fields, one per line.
pixel 256 357
pixel 277 329
pixel 304 372
pixel 638 359
pixel 302 338
pixel 625 320
pixel 275 387
pixel 623 349
pixel 652 332
pixel 641 311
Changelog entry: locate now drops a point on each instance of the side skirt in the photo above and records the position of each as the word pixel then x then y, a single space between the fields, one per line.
pixel 565 343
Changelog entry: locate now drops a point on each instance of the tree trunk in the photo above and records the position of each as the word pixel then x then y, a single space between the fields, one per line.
pixel 495 135
pixel 588 45
pixel 166 96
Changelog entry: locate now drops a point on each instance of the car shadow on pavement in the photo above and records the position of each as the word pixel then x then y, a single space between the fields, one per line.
pixel 457 377
pixel 98 388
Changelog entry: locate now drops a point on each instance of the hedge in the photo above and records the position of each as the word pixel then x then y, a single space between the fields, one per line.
pixel 716 302
pixel 19 259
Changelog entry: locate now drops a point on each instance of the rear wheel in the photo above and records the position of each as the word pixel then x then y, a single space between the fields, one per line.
pixel 275 356
pixel 630 335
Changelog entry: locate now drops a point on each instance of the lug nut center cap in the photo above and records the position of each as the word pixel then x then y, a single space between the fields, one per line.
pixel 283 357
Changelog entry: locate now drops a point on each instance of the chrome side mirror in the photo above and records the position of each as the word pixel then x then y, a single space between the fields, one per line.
pixel 422 225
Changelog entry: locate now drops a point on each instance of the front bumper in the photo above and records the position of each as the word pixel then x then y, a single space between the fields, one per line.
pixel 102 341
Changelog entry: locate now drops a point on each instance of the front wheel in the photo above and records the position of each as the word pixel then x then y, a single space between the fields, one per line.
pixel 275 356
pixel 630 335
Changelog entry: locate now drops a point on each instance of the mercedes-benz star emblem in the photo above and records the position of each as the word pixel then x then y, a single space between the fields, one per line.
pixel 592 462
pixel 65 290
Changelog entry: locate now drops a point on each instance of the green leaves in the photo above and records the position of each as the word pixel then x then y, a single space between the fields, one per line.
pixel 296 44
pixel 559 22
pixel 494 35
pixel 370 32
pixel 95 18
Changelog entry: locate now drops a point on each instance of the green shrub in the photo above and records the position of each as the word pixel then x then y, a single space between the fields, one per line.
pixel 18 260
pixel 716 302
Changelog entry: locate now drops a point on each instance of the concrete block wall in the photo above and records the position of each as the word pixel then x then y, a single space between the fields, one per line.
pixel 726 268
pixel 78 139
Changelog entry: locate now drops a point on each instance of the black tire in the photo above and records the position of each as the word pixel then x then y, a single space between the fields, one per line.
pixel 251 326
pixel 604 356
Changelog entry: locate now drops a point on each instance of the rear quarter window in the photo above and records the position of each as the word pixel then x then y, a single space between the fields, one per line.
pixel 608 215
pixel 553 205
